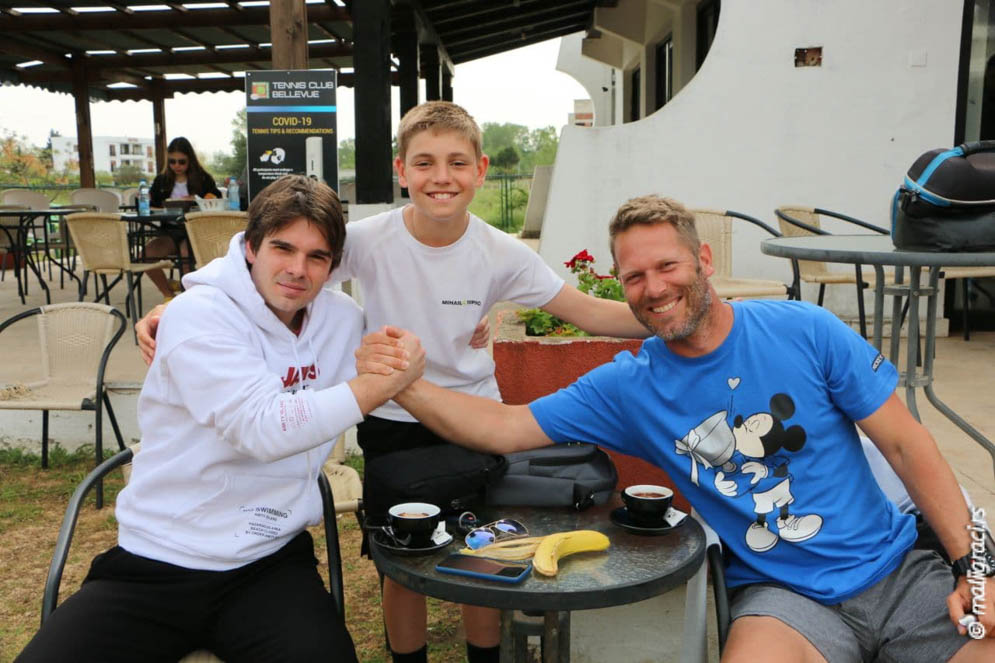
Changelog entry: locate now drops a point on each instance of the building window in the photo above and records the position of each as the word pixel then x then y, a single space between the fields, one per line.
pixel 664 71
pixel 708 22
pixel 113 165
pixel 112 151
pixel 148 151
pixel 634 82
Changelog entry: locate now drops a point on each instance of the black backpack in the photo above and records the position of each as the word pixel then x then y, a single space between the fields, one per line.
pixel 947 202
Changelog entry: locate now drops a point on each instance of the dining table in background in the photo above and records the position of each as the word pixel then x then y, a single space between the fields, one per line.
pixel 879 252
pixel 635 567
pixel 23 251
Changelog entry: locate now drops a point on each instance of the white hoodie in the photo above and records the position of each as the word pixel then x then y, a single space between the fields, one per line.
pixel 237 414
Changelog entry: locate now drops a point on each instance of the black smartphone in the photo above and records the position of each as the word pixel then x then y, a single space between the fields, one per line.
pixel 482 567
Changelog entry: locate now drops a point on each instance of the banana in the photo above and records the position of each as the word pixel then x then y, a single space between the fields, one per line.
pixel 555 547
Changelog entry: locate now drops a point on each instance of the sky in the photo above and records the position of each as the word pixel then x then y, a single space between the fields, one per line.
pixel 520 86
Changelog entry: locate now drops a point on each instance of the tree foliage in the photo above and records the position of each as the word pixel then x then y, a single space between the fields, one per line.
pixel 235 162
pixel 20 163
pixel 535 147
pixel 347 154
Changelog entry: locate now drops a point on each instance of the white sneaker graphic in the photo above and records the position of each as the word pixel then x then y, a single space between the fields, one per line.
pixel 799 528
pixel 759 538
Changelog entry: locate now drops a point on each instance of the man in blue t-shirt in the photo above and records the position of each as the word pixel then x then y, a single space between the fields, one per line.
pixel 750 407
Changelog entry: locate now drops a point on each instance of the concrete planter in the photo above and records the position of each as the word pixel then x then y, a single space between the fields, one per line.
pixel 528 367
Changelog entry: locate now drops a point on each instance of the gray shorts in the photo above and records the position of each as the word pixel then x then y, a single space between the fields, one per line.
pixel 901 619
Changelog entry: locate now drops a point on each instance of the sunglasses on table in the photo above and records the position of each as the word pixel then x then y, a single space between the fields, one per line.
pixel 177 162
pixel 499 530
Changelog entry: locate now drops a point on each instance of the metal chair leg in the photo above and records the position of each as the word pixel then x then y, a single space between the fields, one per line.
pixel 110 415
pixel 44 439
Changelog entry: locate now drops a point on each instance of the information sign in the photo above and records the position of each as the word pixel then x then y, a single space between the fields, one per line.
pixel 291 126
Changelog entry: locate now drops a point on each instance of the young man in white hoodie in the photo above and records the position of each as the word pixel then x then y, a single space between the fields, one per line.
pixel 252 381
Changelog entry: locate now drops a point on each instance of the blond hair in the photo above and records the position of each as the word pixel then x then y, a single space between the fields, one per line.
pixel 438 116
pixel 652 210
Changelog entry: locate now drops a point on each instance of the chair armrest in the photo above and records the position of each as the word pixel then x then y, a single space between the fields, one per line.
pixel 798 222
pixel 755 221
pixel 54 579
pixel 332 544
pixel 850 219
pixel 716 567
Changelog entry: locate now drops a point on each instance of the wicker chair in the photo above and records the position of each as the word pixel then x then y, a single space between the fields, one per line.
pixel 211 232
pixel 29 199
pixel 102 242
pixel 802 221
pixel 715 228
pixel 123 460
pixel 76 341
pixel 797 221
pixel 101 200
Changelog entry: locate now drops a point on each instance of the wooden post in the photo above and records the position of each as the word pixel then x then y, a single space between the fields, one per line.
pixel 371 36
pixel 447 86
pixel 288 30
pixel 407 55
pixel 159 128
pixel 431 71
pixel 84 130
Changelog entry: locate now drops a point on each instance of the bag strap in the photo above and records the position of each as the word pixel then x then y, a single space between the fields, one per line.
pixel 978 146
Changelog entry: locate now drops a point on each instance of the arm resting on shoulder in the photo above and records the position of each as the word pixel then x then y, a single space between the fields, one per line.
pixel 601 317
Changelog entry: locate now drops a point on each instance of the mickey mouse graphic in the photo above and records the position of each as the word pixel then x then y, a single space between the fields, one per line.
pixel 763 472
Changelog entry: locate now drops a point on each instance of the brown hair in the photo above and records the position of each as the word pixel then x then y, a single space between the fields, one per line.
pixel 289 198
pixel 652 210
pixel 438 116
pixel 196 175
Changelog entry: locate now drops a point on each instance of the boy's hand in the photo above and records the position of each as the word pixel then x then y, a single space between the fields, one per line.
pixel 481 334
pixel 384 351
pixel 146 329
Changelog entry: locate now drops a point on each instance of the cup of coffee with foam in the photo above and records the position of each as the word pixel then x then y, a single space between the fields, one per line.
pixel 412 523
pixel 647 504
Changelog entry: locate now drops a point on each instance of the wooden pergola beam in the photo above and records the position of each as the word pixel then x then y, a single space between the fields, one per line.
pixel 153 20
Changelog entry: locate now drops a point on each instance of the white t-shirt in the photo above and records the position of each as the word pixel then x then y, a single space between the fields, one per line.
pixel 180 190
pixel 441 293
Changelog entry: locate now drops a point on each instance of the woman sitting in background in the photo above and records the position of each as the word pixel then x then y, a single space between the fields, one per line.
pixel 182 176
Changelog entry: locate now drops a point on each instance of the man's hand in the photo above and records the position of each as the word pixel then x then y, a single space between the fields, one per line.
pixel 960 602
pixel 146 329
pixel 382 352
pixel 387 362
pixel 481 334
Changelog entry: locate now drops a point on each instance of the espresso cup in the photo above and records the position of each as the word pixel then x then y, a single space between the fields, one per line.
pixel 412 523
pixel 646 503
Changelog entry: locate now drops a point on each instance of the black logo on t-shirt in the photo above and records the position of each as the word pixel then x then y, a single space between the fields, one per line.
pixel 876 364
pixel 462 302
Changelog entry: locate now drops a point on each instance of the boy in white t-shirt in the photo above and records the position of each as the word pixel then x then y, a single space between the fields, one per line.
pixel 433 268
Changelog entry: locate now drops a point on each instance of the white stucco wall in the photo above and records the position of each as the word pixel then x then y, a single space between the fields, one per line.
pixel 595 77
pixel 751 131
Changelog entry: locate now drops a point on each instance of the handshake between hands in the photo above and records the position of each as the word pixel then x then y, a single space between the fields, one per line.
pixel 392 352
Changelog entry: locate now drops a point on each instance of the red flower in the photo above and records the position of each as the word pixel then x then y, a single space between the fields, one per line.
pixel 605 276
pixel 583 256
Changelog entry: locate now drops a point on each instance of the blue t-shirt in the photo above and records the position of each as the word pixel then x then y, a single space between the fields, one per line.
pixel 759 436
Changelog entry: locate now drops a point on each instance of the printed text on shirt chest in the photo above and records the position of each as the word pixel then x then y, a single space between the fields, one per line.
pixel 462 302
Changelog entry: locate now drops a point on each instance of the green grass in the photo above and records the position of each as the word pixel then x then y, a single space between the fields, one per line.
pixel 25 488
pixel 487 204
